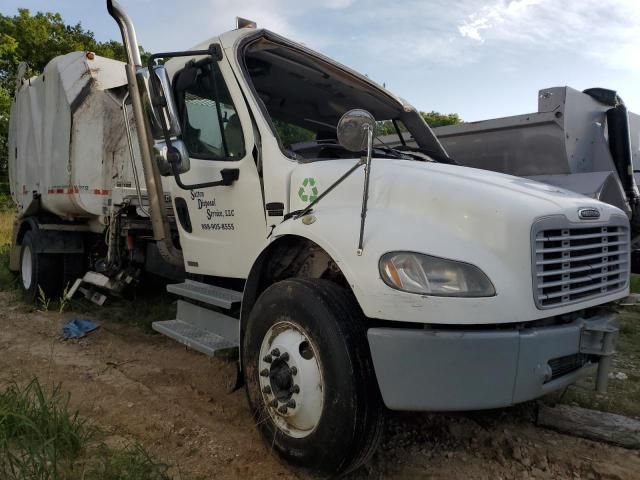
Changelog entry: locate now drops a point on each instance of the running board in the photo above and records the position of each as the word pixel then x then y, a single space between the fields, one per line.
pixel 205 293
pixel 201 329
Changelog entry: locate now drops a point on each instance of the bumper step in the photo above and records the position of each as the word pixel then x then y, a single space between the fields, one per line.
pixel 193 337
pixel 209 294
pixel 201 329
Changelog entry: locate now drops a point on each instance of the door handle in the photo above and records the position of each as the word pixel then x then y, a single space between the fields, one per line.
pixel 229 176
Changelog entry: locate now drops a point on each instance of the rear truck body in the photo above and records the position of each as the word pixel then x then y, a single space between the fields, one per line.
pixel 344 281
pixel 72 171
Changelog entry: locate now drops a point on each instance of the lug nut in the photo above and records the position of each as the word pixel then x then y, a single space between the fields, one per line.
pixel 268 358
pixel 291 403
pixel 282 409
pixel 285 356
pixel 266 389
pixel 273 403
pixel 275 352
pixel 293 371
pixel 295 389
pixel 264 373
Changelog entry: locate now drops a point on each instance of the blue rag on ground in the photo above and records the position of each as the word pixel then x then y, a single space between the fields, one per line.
pixel 78 328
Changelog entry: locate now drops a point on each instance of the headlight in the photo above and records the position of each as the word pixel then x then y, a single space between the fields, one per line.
pixel 417 273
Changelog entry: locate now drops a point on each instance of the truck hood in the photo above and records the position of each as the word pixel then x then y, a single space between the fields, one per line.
pixel 443 193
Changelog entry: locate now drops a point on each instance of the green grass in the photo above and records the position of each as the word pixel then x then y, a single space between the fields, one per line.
pixel 6 202
pixel 8 280
pixel 42 439
pixel 38 435
pixel 6 225
pixel 133 462
pixel 623 395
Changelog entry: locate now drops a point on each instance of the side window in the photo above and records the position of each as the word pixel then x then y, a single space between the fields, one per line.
pixel 210 125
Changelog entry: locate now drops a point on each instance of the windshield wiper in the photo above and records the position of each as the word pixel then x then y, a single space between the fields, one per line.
pixel 438 157
pixel 393 151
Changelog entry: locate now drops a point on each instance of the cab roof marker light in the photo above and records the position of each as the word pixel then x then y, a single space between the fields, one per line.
pixel 245 23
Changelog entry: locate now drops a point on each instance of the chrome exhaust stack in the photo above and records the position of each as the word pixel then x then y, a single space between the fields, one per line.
pixel 155 193
pixel 129 38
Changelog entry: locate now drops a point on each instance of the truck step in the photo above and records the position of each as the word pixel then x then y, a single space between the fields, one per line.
pixel 209 294
pixel 193 337
pixel 204 330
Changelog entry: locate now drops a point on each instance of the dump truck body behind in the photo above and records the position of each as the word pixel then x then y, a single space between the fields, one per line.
pixel 565 144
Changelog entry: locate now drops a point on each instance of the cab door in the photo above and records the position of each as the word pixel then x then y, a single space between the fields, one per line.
pixel 222 228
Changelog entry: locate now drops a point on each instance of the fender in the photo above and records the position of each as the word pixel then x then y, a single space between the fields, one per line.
pixel 287 231
pixel 52 238
pixel 20 227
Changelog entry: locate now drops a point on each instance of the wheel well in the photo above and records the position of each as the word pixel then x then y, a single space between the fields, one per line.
pixel 25 226
pixel 289 256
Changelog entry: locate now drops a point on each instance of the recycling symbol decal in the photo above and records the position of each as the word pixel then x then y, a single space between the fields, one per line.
pixel 308 192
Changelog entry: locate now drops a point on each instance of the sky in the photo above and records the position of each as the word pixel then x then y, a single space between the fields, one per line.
pixel 478 58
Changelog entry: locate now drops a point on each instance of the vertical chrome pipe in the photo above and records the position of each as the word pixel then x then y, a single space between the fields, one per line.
pixel 365 191
pixel 129 38
pixel 159 221
pixel 132 156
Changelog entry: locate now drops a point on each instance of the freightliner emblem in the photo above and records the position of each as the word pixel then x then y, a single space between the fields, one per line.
pixel 588 213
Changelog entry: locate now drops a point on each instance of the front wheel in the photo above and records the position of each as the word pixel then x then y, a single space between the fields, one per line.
pixel 309 376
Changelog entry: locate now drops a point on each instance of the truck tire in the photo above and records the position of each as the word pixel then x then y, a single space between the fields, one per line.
pixel 309 376
pixel 37 270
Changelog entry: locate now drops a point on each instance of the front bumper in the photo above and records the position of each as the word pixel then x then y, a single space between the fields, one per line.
pixel 447 370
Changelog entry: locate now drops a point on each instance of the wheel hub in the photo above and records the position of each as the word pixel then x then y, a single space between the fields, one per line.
pixel 26 267
pixel 281 380
pixel 291 379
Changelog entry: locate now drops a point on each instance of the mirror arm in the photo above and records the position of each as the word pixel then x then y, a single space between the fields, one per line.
pixel 229 175
pixel 159 101
pixel 214 50
pixel 365 193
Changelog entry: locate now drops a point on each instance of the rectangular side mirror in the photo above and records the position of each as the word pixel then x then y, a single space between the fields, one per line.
pixel 159 106
pixel 161 154
pixel 160 109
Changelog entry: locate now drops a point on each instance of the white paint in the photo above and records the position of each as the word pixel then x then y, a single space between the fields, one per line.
pixel 299 421
pixel 26 267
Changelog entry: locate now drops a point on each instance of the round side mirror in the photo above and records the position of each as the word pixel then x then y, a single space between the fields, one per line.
pixel 352 129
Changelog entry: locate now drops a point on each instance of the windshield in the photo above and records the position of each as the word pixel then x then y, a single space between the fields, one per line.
pixel 305 96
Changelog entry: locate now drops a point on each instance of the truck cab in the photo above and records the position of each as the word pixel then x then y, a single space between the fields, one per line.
pixel 477 289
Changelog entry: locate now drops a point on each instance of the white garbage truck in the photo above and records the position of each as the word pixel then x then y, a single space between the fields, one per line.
pixel 348 276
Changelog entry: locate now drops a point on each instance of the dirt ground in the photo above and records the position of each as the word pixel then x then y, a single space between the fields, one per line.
pixel 144 387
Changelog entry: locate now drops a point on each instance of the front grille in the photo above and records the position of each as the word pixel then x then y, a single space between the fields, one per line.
pixel 564 365
pixel 575 263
